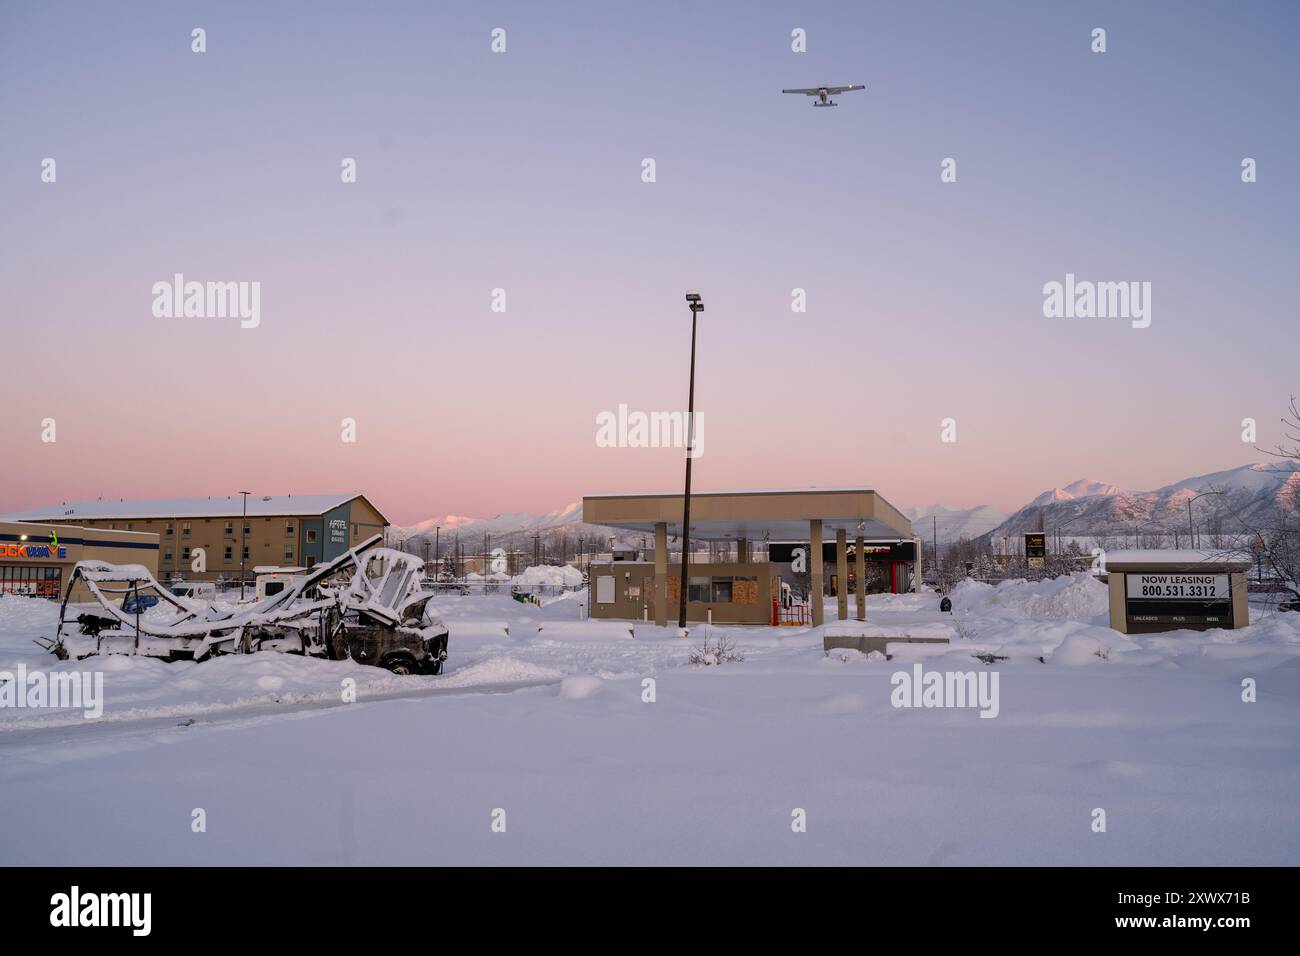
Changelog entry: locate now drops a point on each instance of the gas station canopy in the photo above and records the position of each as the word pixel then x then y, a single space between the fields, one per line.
pixel 774 516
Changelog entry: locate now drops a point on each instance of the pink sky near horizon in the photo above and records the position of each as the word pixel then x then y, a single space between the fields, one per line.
pixel 478 171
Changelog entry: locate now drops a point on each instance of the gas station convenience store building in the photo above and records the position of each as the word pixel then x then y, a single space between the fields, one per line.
pixel 788 528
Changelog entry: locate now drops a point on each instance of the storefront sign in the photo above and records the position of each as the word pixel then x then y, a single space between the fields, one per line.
pixel 29 551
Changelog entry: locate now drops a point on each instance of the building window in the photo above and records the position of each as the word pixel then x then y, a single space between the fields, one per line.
pixel 288 527
pixel 311 537
pixel 169 531
pixel 288 552
pixel 230 553
pixel 185 553
pixel 245 553
pixel 230 529
pixel 248 528
pixel 168 554
pixel 185 529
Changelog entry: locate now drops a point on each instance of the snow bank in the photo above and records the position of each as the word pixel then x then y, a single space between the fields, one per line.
pixel 937 630
pixel 1079 597
pixel 550 576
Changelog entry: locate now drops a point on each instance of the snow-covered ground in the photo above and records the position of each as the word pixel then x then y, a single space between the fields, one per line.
pixel 544 718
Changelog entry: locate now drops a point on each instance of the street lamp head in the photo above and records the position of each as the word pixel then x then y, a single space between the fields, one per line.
pixel 695 302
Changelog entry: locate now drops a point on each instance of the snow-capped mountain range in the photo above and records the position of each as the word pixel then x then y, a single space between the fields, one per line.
pixel 1093 507
pixel 952 524
pixel 1080 508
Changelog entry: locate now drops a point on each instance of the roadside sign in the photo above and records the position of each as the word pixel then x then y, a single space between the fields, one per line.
pixel 1168 600
pixel 1035 544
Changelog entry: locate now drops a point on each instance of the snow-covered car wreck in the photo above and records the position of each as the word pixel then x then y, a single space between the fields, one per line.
pixel 378 614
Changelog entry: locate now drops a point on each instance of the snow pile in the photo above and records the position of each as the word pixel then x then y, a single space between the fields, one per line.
pixel 1079 597
pixel 550 576
pixel 580 687
pixel 1082 648
pixel 500 670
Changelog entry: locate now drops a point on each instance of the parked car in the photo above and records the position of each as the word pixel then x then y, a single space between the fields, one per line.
pixel 138 603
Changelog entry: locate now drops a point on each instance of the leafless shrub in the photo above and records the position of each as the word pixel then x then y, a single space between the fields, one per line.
pixel 723 650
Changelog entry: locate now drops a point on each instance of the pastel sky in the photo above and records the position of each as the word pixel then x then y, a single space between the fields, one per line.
pixel 522 171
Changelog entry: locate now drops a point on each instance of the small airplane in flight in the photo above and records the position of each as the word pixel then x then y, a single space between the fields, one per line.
pixel 826 92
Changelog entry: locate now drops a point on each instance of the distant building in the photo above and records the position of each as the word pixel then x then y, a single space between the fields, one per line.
pixel 279 530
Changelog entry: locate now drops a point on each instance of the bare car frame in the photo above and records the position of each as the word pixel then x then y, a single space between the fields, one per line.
pixel 379 614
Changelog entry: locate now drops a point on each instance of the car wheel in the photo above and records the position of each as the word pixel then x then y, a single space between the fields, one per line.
pixel 401 664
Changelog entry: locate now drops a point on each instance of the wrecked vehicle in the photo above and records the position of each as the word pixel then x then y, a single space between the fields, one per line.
pixel 367 605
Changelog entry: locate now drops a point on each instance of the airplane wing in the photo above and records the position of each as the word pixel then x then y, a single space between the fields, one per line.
pixel 832 90
pixel 808 92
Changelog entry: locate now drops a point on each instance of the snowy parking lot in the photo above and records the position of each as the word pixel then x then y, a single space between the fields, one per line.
pixel 549 740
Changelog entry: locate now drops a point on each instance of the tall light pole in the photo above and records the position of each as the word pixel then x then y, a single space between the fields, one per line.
pixel 697 306
pixel 1191 529
pixel 243 546
pixel 437 552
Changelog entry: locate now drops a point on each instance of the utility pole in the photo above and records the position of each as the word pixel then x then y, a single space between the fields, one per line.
pixel 697 306
pixel 935 519
pixel 243 547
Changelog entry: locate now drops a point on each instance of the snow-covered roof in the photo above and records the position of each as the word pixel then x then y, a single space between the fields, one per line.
pixel 1183 557
pixel 742 491
pixel 231 506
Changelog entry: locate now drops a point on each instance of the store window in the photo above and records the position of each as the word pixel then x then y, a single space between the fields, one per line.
pixel 31 581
